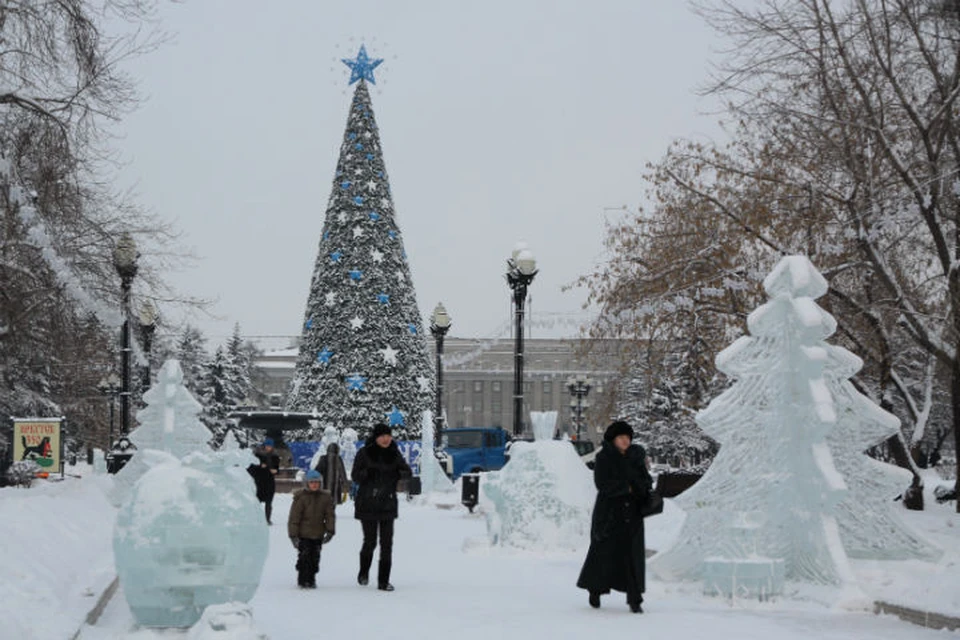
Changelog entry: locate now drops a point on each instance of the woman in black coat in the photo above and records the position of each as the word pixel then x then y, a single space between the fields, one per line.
pixel 377 469
pixel 264 475
pixel 616 559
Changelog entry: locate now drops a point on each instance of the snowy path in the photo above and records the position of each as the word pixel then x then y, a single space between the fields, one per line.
pixel 477 594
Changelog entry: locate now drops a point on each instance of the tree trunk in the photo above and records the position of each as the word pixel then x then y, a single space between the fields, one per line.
pixel 913 496
pixel 955 405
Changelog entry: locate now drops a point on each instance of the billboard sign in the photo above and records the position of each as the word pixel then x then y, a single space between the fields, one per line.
pixel 38 439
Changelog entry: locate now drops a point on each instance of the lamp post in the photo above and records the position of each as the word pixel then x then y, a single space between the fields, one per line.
pixel 110 387
pixel 439 325
pixel 579 387
pixel 521 269
pixel 125 261
pixel 148 324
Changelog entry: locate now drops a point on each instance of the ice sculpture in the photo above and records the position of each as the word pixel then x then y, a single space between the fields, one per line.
pixel 432 476
pixel 191 536
pixel 330 435
pixel 124 480
pixel 99 462
pixel 170 422
pixel 543 497
pixel 790 415
pixel 544 423
pixel 348 448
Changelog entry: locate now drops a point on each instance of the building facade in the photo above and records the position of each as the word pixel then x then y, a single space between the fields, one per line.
pixel 478 381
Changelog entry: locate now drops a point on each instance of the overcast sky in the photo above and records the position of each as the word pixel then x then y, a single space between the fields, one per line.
pixel 500 121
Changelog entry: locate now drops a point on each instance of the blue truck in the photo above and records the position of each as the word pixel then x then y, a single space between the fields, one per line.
pixel 472 449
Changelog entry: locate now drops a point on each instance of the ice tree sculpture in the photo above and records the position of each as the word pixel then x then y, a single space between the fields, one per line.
pixel 171 421
pixel 542 499
pixel 169 424
pixel 432 476
pixel 791 395
pixel 191 535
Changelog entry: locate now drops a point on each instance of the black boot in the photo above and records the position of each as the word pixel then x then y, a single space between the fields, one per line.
pixel 595 599
pixel 383 576
pixel 366 559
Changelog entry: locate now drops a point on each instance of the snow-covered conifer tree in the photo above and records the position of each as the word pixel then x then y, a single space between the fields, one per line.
pixel 191 354
pixel 363 356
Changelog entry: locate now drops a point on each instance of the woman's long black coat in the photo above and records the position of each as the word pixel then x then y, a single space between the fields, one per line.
pixel 377 470
pixel 616 558
pixel 264 479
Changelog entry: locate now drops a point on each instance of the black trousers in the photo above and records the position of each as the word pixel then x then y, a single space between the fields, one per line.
pixel 371 529
pixel 308 561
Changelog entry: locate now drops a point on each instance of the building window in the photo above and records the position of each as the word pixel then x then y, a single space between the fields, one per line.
pixel 477 403
pixel 527 388
pixel 458 386
pixel 478 386
pixel 548 386
pixel 496 403
pixel 495 386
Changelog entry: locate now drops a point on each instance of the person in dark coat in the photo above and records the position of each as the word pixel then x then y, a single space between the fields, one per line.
pixel 264 472
pixel 310 525
pixel 334 473
pixel 377 469
pixel 616 559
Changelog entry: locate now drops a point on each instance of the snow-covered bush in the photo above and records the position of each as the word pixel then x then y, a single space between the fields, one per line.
pixel 22 473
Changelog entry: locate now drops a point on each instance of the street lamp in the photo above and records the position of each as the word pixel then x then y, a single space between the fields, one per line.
pixel 125 260
pixel 521 269
pixel 579 387
pixel 439 325
pixel 110 387
pixel 148 324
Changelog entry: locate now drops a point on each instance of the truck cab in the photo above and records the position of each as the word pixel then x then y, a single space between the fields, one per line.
pixel 472 449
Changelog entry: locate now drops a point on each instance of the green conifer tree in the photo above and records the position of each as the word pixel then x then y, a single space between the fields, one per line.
pixel 363 356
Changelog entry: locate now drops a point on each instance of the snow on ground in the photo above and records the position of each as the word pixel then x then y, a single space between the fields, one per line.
pixel 56 555
pixel 448 582
pixel 922 585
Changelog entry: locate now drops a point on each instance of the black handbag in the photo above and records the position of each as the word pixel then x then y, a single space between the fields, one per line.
pixel 652 505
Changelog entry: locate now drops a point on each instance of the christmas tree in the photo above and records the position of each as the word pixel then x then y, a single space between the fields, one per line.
pixel 363 357
pixel 792 431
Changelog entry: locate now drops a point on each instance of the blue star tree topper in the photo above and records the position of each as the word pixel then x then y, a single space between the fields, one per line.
pixel 361 67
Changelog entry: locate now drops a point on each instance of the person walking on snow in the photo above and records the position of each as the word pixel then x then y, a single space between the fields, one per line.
pixel 310 525
pixel 616 558
pixel 377 469
pixel 264 472
pixel 334 474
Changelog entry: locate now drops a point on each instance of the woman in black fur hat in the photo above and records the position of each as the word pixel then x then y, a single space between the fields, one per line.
pixel 377 469
pixel 616 559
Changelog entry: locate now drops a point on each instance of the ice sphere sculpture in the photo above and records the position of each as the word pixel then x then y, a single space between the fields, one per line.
pixel 191 535
pixel 432 476
pixel 790 428
pixel 542 499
